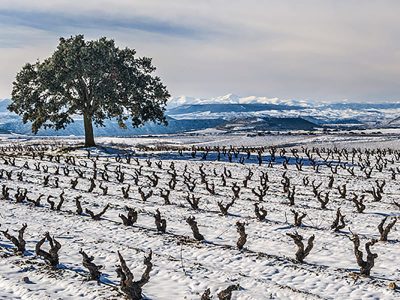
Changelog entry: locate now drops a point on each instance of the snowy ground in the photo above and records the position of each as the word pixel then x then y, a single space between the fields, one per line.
pixel 378 138
pixel 183 267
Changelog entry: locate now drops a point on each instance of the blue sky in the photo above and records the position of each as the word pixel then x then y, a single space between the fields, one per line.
pixel 327 50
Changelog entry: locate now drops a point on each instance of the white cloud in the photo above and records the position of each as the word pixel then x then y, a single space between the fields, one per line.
pixel 330 49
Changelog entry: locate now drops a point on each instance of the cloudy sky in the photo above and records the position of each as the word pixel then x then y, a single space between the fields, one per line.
pixel 310 49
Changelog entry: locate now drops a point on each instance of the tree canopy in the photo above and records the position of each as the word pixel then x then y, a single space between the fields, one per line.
pixel 95 79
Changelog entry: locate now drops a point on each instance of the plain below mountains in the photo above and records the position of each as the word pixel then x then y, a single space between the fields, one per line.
pixel 231 114
pixel 11 123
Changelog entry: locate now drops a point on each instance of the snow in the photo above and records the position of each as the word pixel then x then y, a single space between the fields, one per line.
pixel 235 99
pixel 184 268
pixel 376 114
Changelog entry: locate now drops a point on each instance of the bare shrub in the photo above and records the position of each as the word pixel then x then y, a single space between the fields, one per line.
pixel 98 215
pixel 161 223
pixel 18 242
pixel 260 212
pixel 52 256
pixel 193 225
pixel 224 209
pixel 242 235
pixel 298 240
pixel 131 217
pixel 226 294
pixel 297 218
pixel 338 223
pixel 133 289
pixel 385 231
pixel 88 263
pixel 365 266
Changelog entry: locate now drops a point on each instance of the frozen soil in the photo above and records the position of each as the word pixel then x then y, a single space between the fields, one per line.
pixel 183 267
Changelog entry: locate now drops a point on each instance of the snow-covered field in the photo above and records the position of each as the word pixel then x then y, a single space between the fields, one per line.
pixel 183 267
pixel 371 138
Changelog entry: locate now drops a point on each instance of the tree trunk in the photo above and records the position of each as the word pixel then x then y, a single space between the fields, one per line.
pixel 89 137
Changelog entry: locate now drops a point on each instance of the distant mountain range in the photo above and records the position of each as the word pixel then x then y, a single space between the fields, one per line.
pixel 233 113
pixel 234 99
pixel 339 114
pixel 253 124
pixel 12 123
pixel 228 108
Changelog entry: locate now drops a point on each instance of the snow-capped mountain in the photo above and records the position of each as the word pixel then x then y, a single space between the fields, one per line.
pixel 235 99
pixel 230 106
pixel 190 113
